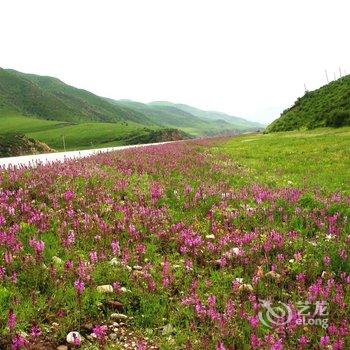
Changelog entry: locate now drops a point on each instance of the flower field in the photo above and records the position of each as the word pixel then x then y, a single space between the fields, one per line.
pixel 185 242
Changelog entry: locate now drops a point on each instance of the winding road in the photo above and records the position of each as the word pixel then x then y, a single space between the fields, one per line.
pixel 62 156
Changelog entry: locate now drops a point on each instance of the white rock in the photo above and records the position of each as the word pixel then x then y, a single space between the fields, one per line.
pixel 107 288
pixel 168 329
pixel 245 287
pixel 137 267
pixel 114 262
pixel 119 317
pixel 113 336
pixel 235 251
pixel 210 236
pixel 72 336
pixel 62 347
pixel 273 274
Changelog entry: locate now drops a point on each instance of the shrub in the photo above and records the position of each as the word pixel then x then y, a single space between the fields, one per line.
pixel 338 119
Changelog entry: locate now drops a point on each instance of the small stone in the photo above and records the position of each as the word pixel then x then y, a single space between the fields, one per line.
pixel 23 334
pixel 245 287
pixel 327 274
pixel 113 336
pixel 72 336
pixel 137 273
pixel 62 347
pixel 274 275
pixel 107 288
pixel 119 317
pixel 137 267
pixel 235 251
pixel 55 325
pixel 210 236
pixel 114 262
pixel 168 329
pixel 115 305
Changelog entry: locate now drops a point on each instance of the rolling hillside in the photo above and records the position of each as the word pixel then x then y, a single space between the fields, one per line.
pixel 50 98
pixel 172 116
pixel 62 116
pixel 327 106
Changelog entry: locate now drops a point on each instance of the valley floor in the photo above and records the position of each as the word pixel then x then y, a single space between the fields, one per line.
pixel 233 244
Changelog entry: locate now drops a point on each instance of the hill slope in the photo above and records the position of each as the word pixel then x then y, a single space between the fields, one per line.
pixel 50 98
pixel 48 110
pixel 19 144
pixel 171 116
pixel 327 106
pixel 211 116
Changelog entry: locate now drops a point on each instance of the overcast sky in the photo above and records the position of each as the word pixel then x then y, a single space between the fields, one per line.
pixel 248 58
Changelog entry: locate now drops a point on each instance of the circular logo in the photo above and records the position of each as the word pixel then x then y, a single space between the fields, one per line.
pixel 278 315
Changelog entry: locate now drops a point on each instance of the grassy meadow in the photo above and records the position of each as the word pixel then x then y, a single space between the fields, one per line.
pixel 318 159
pixel 176 246
pixel 77 136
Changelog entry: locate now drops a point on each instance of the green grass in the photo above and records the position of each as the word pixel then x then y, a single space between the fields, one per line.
pixel 77 136
pixel 87 135
pixel 50 98
pixel 327 106
pixel 11 121
pixel 316 159
pixel 171 197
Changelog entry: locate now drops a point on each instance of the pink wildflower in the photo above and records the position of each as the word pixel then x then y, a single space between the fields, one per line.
pixel 11 320
pixel 79 286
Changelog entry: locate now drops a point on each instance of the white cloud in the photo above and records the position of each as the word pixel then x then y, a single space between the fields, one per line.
pixel 242 57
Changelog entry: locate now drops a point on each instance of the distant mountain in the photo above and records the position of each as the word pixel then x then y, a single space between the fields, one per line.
pixel 238 123
pixel 326 106
pixel 171 116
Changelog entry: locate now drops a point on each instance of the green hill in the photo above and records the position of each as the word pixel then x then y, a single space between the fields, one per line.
pixel 50 98
pixel 50 111
pixel 174 117
pixel 326 106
